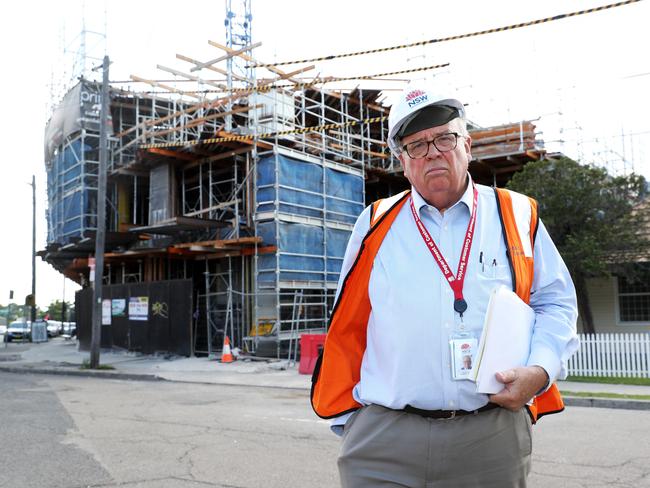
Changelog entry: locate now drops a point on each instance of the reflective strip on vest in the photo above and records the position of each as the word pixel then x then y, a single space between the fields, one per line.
pixel 380 207
pixel 522 211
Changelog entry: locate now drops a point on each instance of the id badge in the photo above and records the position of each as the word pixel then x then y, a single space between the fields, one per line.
pixel 463 351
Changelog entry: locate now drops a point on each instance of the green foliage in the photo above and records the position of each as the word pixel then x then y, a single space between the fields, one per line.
pixel 587 212
pixel 13 312
pixel 54 310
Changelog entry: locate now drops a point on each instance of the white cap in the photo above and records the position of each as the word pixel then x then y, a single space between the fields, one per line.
pixel 407 106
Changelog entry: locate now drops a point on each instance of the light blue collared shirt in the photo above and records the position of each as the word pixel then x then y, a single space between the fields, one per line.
pixel 407 357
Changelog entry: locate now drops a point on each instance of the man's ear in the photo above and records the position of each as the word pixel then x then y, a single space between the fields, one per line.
pixel 468 147
pixel 404 165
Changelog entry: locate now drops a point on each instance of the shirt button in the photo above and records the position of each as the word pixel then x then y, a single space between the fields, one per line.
pixel 446 325
pixel 445 227
pixel 451 403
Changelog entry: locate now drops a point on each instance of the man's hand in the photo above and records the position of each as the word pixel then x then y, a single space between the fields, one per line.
pixel 519 386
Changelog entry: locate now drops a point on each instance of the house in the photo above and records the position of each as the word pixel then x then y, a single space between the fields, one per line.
pixel 621 303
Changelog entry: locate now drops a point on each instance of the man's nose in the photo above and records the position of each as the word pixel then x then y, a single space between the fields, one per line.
pixel 433 151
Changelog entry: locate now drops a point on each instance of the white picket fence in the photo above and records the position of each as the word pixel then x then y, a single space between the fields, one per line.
pixel 621 355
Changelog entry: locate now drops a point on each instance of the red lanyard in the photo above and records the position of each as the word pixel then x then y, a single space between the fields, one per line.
pixel 456 282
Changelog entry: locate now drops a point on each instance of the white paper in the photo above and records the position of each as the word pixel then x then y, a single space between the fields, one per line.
pixel 139 308
pixel 505 340
pixel 106 311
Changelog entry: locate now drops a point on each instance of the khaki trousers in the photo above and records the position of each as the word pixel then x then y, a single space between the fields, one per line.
pixel 388 448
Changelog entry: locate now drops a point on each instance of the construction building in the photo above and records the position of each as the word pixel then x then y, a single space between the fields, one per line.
pixel 229 205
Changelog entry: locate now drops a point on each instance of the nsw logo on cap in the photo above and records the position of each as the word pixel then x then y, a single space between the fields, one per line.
pixel 415 97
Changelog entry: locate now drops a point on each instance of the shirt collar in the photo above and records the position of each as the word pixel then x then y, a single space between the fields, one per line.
pixel 467 198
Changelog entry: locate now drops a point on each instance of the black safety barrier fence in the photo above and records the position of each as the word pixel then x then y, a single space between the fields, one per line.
pixel 152 318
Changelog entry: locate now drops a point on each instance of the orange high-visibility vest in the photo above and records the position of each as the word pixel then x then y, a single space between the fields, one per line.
pixel 338 368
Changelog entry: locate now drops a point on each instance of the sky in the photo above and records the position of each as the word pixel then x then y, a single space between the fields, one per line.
pixel 583 80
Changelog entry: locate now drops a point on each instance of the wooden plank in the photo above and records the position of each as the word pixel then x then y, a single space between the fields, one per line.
pixel 171 154
pixel 200 121
pixel 247 251
pixel 163 86
pixel 379 108
pixel 228 154
pixel 249 59
pixel 208 104
pixel 211 68
pixel 358 149
pixel 268 81
pixel 244 241
pixel 212 208
pixel 221 243
pixel 191 77
pixel 359 136
pixel 218 157
pixel 231 54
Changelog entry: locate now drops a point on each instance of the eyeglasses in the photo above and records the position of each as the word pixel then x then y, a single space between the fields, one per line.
pixel 443 143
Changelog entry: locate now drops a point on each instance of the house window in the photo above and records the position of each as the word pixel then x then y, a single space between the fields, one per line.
pixel 634 297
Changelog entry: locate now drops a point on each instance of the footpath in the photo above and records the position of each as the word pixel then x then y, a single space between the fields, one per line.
pixel 61 356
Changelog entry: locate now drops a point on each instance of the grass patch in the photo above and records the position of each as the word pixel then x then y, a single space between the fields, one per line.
pixel 590 394
pixel 610 380
pixel 86 365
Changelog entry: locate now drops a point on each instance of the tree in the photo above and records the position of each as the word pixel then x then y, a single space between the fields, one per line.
pixel 589 214
pixel 57 308
pixel 13 312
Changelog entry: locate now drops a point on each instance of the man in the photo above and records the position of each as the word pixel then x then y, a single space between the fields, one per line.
pixel 414 288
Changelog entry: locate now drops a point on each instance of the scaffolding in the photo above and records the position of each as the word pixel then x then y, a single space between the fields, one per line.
pixel 72 161
pixel 250 189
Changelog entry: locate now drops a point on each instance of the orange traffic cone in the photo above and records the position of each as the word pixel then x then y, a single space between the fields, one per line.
pixel 226 354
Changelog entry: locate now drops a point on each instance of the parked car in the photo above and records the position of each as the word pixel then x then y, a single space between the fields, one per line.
pixel 69 329
pixel 54 327
pixel 3 329
pixel 19 330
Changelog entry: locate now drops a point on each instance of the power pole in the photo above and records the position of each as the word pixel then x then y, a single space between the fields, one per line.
pixel 33 300
pixel 63 306
pixel 95 341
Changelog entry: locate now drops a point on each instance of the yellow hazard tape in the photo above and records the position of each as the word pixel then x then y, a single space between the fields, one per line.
pixel 450 38
pixel 266 135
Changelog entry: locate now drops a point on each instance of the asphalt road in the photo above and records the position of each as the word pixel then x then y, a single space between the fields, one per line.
pixel 59 431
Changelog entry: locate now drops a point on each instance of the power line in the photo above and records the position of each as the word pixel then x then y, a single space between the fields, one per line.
pixel 452 38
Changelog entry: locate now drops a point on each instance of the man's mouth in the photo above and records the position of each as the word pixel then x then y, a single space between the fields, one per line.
pixel 434 171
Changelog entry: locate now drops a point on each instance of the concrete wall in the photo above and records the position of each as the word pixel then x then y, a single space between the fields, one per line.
pixel 604 307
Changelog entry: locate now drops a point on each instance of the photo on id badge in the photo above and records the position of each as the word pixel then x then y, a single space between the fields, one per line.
pixel 462 356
